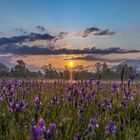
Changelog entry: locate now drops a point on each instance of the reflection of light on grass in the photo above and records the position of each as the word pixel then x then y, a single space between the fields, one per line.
pixel 71 73
pixel 71 64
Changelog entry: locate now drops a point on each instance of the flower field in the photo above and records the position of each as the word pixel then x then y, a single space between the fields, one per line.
pixel 84 110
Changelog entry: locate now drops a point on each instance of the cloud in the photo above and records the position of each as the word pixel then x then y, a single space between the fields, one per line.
pixel 45 44
pixel 13 48
pixel 37 36
pixel 95 58
pixel 32 38
pixel 20 30
pixel 90 30
pixel 60 36
pixel 25 38
pixel 40 28
pixel 105 32
pixel 96 32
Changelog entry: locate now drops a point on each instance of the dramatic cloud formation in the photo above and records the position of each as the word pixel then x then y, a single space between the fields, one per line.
pixel 45 43
pixel 97 32
pixel 32 38
pixel 20 30
pixel 36 38
pixel 37 50
pixel 40 28
pixel 25 38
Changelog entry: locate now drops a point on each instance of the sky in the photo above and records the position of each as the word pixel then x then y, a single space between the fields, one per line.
pixel 69 24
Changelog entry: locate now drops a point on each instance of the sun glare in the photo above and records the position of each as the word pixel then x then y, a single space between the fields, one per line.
pixel 71 64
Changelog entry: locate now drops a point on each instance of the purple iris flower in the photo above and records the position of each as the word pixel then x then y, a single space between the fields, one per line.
pixel 101 106
pixel 41 123
pixel 34 133
pixel 90 127
pixel 115 87
pixel 129 81
pixel 127 93
pixel 98 82
pixel 108 102
pixel 52 127
pixel 12 90
pixel 111 128
pixel 93 122
pixel 36 100
pixel 76 93
pixel 20 105
pixel 37 131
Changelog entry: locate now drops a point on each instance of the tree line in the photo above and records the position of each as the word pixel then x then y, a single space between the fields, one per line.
pixel 102 71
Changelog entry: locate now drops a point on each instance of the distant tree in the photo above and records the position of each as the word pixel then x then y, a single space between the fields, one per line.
pixel 45 69
pixel 4 71
pixel 102 71
pixel 39 73
pixel 98 67
pixel 49 71
pixel 104 67
pixel 127 71
pixel 80 68
pixel 118 71
pixel 20 69
pixel 105 71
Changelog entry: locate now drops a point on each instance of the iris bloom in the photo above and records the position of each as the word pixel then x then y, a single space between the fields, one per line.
pixel 111 128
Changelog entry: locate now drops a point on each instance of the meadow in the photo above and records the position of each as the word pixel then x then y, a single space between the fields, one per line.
pixel 83 110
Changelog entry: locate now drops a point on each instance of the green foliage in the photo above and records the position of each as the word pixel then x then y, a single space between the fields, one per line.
pixel 16 125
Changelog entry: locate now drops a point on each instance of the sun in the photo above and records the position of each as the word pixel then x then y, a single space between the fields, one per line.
pixel 71 64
